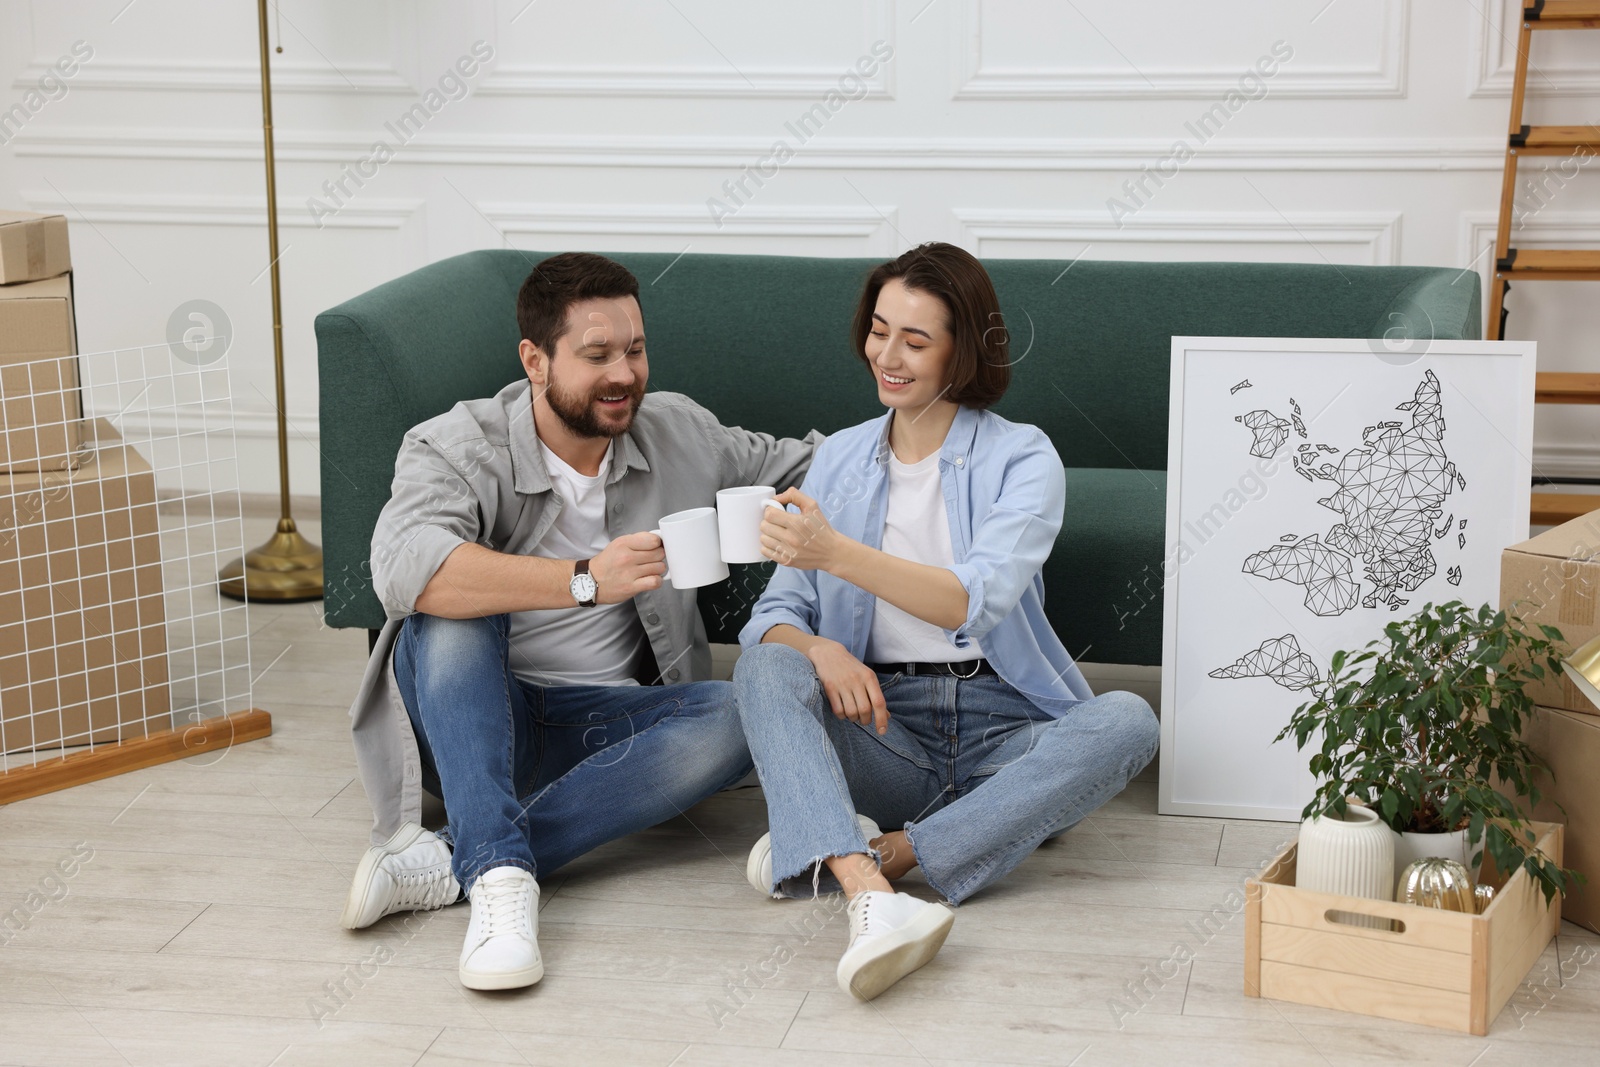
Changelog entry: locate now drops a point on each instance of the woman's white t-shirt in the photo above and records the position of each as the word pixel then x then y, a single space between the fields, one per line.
pixel 915 528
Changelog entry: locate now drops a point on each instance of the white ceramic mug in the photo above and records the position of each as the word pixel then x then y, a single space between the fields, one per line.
pixel 694 553
pixel 739 512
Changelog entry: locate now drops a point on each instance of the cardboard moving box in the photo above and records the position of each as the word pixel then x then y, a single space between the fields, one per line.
pixel 83 650
pixel 1570 744
pixel 32 247
pixel 39 402
pixel 1556 579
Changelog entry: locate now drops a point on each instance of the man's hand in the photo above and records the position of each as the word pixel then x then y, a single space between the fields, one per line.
pixel 628 566
pixel 805 541
pixel 851 685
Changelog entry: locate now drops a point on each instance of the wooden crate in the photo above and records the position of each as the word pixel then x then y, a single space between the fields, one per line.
pixel 1440 968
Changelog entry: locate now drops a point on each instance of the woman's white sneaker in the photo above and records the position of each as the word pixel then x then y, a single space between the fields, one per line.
pixel 408 872
pixel 758 868
pixel 502 946
pixel 891 935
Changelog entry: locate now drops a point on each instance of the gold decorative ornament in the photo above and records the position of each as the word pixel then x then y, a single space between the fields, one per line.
pixel 1436 882
pixel 1583 667
pixel 1483 893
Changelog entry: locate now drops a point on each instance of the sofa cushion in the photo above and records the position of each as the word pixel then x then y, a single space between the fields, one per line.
pixel 1103 582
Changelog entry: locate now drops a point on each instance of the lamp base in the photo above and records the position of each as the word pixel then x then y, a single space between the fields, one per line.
pixel 287 567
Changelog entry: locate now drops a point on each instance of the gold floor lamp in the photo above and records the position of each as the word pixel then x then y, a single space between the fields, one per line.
pixel 287 567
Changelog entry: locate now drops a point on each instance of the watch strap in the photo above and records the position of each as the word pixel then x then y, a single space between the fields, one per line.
pixel 582 567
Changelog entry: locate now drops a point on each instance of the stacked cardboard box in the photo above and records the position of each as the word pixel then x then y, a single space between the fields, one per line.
pixel 1570 745
pixel 39 404
pixel 1554 579
pixel 32 247
pixel 83 653
pixel 82 622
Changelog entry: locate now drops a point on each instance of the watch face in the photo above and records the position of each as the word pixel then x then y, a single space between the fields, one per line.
pixel 583 587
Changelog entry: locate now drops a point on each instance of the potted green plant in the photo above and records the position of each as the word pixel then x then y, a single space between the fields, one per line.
pixel 1425 727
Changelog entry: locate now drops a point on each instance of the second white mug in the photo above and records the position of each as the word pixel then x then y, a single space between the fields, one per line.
pixel 739 512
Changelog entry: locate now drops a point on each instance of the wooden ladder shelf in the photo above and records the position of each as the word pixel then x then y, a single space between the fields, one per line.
pixel 1532 264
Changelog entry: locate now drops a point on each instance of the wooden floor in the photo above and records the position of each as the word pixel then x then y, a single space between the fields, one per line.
pixel 203 929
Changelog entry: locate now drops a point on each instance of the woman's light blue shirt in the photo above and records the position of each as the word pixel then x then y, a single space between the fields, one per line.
pixel 1004 496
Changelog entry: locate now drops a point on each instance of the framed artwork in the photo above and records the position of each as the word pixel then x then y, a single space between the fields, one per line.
pixel 1317 489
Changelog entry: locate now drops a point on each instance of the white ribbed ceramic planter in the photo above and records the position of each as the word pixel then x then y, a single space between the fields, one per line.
pixel 1353 856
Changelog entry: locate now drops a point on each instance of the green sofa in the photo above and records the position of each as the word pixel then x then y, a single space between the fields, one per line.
pixel 762 341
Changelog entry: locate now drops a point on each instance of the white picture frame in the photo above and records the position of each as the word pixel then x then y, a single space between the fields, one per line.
pixel 1271 564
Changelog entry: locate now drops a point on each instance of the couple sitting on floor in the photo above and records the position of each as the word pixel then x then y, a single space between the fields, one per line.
pixel 900 690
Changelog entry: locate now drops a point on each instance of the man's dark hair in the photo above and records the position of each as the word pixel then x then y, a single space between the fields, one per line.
pixel 980 367
pixel 561 281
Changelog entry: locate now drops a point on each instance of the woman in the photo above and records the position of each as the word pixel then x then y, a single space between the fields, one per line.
pixel 899 670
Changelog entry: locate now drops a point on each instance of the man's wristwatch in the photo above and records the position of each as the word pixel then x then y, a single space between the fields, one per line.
pixel 584 588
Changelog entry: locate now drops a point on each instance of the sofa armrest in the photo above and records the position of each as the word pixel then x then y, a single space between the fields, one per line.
pixel 359 442
pixel 387 360
pixel 1437 306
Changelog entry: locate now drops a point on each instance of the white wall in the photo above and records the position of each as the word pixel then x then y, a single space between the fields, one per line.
pixel 608 124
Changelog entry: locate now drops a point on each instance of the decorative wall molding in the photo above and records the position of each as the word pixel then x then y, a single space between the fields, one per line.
pixel 1376 234
pixel 748 79
pixel 360 213
pixel 1494 30
pixel 1475 249
pixel 209 76
pixel 874 228
pixel 1384 76
pixel 138 426
pixel 500 79
pixel 820 153
pixel 511 80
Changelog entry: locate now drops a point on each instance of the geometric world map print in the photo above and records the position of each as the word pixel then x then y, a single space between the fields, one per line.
pixel 1389 495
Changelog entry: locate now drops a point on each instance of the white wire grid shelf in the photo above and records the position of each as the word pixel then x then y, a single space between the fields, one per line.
pixel 119 503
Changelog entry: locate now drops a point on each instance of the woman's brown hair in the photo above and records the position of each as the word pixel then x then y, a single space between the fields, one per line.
pixel 980 364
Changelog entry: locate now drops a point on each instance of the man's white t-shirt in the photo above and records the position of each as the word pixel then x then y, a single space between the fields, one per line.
pixel 915 528
pixel 602 645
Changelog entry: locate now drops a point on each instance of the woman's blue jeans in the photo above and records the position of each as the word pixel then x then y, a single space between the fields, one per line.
pixel 534 776
pixel 975 774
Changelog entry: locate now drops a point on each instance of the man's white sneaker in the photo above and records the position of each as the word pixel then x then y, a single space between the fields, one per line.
pixel 891 935
pixel 408 872
pixel 758 868
pixel 502 946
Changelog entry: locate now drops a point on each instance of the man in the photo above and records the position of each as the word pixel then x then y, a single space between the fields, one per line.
pixel 526 607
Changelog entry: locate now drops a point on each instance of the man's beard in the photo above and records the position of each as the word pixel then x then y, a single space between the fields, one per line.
pixel 578 414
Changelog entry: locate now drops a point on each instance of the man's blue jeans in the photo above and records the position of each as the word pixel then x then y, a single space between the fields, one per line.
pixel 534 776
pixel 974 772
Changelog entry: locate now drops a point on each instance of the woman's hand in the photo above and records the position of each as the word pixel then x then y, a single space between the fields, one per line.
pixel 851 685
pixel 805 541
